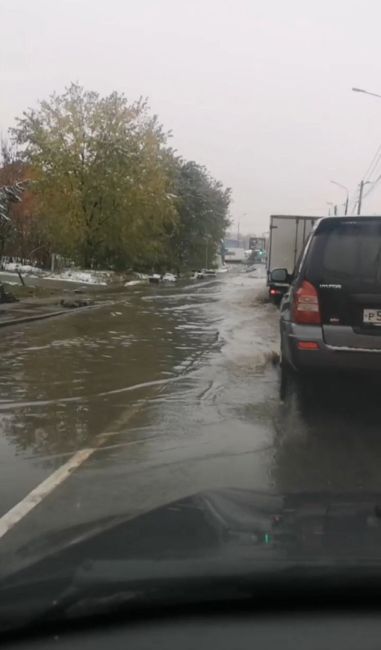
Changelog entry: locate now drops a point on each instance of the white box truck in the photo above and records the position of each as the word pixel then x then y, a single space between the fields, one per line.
pixel 235 255
pixel 288 234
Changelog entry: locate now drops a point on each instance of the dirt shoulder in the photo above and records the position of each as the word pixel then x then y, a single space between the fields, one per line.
pixel 35 303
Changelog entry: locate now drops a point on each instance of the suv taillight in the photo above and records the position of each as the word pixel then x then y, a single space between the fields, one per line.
pixel 306 309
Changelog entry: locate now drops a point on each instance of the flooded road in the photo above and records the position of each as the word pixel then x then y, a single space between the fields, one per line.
pixel 155 353
pixel 171 391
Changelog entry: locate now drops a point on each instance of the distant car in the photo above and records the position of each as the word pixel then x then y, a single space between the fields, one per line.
pixel 330 318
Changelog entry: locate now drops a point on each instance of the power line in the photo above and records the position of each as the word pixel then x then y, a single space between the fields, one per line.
pixel 355 201
pixel 371 171
pixel 377 156
pixel 375 167
pixel 373 186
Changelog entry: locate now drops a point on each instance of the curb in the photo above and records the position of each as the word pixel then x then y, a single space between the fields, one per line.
pixel 30 319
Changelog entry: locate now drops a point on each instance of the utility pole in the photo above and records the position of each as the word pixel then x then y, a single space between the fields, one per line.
pixel 343 187
pixel 360 198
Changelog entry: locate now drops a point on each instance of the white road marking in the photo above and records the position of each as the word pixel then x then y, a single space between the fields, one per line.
pixel 38 494
pixel 15 514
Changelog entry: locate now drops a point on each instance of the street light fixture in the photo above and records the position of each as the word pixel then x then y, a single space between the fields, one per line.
pixel 347 197
pixel 366 92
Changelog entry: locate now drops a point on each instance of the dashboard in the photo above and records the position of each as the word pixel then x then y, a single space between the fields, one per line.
pixel 347 630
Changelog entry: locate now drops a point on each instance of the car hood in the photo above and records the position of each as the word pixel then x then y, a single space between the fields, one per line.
pixel 300 526
pixel 215 534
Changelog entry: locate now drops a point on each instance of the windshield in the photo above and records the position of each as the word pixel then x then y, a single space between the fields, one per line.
pixel 164 397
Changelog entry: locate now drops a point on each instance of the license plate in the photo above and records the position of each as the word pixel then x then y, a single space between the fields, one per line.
pixel 372 316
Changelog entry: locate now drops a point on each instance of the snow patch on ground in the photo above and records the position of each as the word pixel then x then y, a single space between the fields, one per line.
pixel 133 283
pixel 169 277
pixel 23 268
pixel 82 277
pixel 78 276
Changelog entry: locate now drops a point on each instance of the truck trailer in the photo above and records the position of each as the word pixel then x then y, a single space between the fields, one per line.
pixel 288 234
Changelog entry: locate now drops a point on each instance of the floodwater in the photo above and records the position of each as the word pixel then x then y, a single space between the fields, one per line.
pixel 153 363
pixel 176 391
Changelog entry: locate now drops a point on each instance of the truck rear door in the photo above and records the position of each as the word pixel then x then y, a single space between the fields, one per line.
pixel 287 237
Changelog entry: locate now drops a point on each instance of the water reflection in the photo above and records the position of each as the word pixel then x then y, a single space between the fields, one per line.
pixel 329 436
pixel 64 381
pixel 189 386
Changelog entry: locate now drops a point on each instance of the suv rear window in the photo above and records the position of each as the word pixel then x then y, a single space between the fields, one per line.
pixel 348 252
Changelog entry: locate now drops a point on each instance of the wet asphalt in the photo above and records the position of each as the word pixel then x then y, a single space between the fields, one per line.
pixel 177 391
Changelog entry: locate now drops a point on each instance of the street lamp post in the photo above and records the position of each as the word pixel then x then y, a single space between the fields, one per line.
pixel 347 195
pixel 359 204
pixel 360 198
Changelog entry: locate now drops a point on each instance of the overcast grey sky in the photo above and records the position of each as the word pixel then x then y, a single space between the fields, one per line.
pixel 260 92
